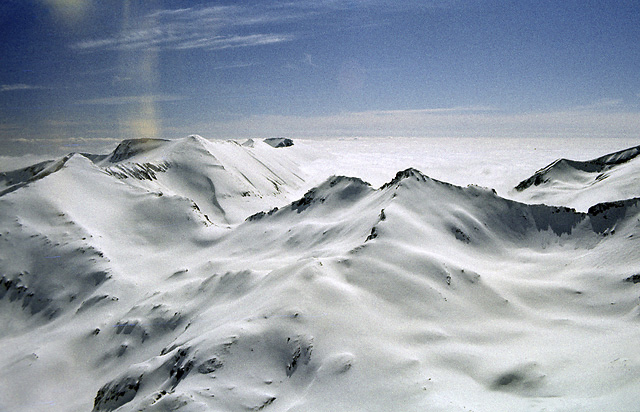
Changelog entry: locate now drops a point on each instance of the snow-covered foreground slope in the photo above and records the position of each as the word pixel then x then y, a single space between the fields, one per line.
pixel 418 295
pixel 577 183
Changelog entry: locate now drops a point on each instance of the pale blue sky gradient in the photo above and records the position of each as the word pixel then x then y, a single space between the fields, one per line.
pixel 77 72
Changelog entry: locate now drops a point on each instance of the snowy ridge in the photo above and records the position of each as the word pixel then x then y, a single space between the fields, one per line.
pixel 228 181
pixel 598 165
pixel 118 293
pixel 576 183
pixel 454 211
pixel 326 265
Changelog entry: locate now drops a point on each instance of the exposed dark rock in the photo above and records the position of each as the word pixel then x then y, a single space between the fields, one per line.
pixel 604 216
pixel 210 365
pixel 405 174
pixel 266 403
pixel 181 366
pixel 301 354
pixel 303 203
pixel 140 171
pixel 260 215
pixel 116 393
pixel 460 235
pixel 633 278
pixel 335 180
pixel 35 301
pixel 535 180
pixel 278 142
pixel 372 235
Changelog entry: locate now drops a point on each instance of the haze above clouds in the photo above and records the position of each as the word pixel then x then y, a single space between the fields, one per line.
pixel 78 70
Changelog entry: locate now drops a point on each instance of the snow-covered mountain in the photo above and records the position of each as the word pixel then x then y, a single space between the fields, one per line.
pixel 147 279
pixel 580 184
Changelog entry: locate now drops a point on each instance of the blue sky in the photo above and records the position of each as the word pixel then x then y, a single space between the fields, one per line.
pixel 74 73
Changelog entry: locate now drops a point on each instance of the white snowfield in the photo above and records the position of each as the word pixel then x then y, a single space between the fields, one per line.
pixel 195 275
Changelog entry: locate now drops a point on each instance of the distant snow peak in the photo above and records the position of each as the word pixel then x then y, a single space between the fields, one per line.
pixel 279 142
pixel 227 180
pixel 197 138
pixel 580 184
pixel 562 167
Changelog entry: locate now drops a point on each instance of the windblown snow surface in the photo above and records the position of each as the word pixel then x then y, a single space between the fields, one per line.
pixel 190 275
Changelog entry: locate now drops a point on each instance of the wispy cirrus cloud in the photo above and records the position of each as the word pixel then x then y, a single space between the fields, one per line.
pixel 119 100
pixel 240 65
pixel 231 26
pixel 212 28
pixel 19 86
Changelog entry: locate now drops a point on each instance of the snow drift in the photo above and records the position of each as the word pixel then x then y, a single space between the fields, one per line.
pixel 125 287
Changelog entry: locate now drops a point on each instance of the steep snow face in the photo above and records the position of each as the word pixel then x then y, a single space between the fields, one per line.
pixel 580 184
pixel 418 295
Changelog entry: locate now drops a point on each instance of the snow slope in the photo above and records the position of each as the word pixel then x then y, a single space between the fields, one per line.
pixel 225 179
pixel 578 183
pixel 417 295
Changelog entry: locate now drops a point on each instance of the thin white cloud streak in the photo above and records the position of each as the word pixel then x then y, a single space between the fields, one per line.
pixel 221 27
pixel 222 42
pixel 212 28
pixel 160 39
pixel 119 100
pixel 18 86
pixel 401 112
pixel 388 5
pixel 234 66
